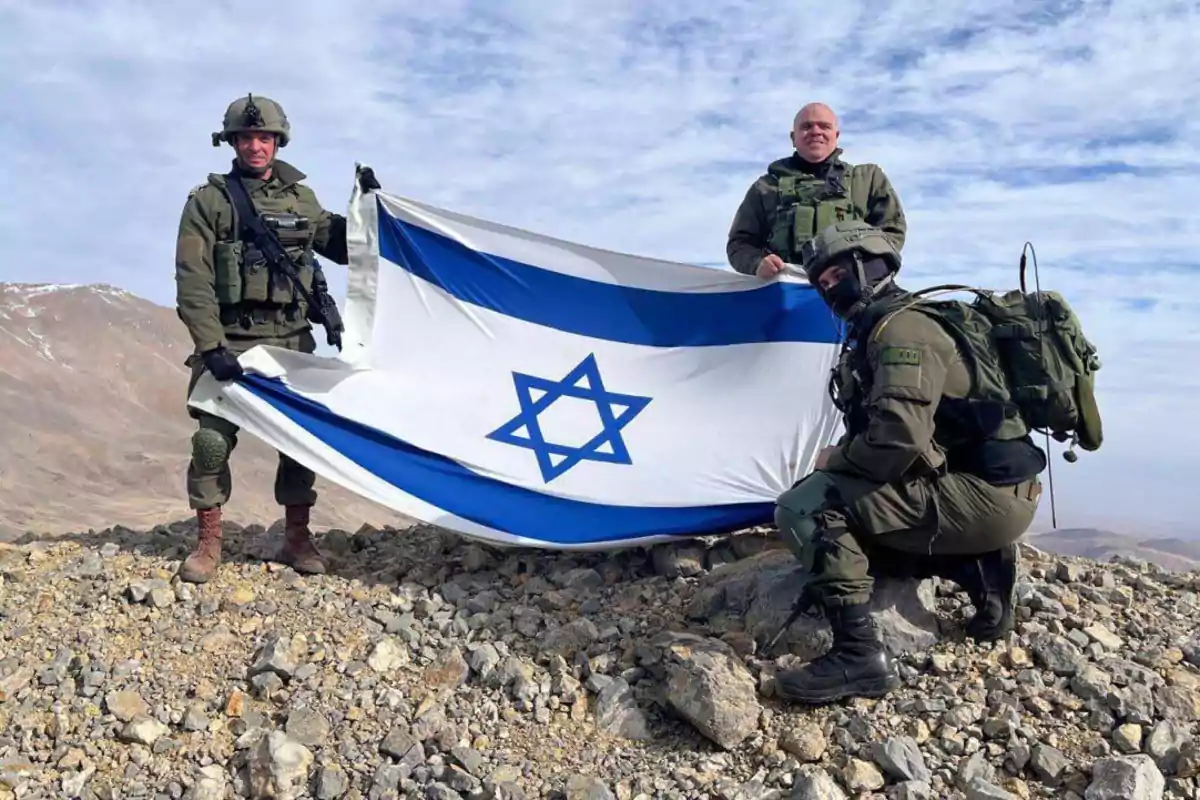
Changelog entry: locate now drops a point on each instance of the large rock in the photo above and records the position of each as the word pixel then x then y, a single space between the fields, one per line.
pixel 618 713
pixel 756 595
pixel 814 783
pixel 709 686
pixel 210 784
pixel 586 787
pixel 1132 777
pixel 278 768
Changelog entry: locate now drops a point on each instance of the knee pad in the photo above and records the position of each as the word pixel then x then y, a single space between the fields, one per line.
pixel 801 514
pixel 800 533
pixel 816 492
pixel 210 449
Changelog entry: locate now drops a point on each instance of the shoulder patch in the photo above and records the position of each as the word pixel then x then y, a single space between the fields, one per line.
pixel 900 356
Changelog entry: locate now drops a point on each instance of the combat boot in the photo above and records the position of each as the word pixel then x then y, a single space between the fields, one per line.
pixel 857 665
pixel 298 550
pixel 989 581
pixel 200 566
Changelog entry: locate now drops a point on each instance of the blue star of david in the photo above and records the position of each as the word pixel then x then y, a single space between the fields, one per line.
pixel 582 382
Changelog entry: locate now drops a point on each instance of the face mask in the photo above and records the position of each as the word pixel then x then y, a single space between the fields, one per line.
pixel 844 295
pixel 848 296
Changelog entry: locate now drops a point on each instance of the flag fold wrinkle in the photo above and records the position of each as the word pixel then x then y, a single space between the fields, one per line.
pixel 521 389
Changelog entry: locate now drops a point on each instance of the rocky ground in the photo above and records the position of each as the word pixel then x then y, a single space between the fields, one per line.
pixel 425 666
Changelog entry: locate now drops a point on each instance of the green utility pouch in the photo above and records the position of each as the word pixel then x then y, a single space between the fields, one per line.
pixel 227 266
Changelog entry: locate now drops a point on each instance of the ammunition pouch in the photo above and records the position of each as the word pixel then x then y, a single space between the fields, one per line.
pixel 807 205
pixel 247 271
pixel 246 316
pixel 243 275
pixel 256 276
pixel 227 268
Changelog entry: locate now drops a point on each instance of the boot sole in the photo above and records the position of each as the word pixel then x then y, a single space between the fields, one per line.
pixel 875 687
pixel 191 577
pixel 302 566
pixel 191 574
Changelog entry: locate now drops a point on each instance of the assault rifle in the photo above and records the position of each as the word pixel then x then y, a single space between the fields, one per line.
pixel 803 606
pixel 322 308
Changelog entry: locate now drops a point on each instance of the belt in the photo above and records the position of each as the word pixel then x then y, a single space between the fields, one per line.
pixel 246 316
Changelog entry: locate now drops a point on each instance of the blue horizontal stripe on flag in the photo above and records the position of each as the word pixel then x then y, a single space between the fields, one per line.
pixel 446 484
pixel 774 312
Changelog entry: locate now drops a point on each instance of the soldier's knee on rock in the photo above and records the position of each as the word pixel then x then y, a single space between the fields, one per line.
pixel 210 449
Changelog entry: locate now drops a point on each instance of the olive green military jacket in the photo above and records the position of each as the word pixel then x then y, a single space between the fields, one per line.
pixel 870 197
pixel 207 220
pixel 912 362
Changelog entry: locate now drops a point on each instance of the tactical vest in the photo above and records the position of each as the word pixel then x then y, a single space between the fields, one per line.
pixel 850 379
pixel 243 276
pixel 982 433
pixel 806 206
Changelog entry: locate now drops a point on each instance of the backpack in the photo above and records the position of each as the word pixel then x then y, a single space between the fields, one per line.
pixel 1030 346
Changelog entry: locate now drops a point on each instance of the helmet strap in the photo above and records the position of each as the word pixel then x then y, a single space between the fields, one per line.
pixel 865 292
pixel 883 283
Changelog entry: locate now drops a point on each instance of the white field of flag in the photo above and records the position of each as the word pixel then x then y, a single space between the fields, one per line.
pixel 522 389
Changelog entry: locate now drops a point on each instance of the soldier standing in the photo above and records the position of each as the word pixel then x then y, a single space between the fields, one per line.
pixel 231 299
pixel 932 477
pixel 806 192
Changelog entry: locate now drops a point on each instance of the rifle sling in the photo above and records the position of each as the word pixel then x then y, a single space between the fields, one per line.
pixel 250 222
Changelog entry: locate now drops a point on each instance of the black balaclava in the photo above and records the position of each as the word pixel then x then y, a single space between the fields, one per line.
pixel 863 281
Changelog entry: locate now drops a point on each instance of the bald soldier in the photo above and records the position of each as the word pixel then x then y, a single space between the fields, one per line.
pixel 932 476
pixel 805 193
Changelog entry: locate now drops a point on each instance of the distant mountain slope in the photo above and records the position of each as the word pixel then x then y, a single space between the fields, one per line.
pixel 1101 545
pixel 94 431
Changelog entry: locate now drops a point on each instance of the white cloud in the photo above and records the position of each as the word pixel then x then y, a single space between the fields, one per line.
pixel 638 127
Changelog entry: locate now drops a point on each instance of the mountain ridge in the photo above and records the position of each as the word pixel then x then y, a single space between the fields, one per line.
pixel 93 389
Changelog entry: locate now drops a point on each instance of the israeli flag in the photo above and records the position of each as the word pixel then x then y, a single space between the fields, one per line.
pixel 521 389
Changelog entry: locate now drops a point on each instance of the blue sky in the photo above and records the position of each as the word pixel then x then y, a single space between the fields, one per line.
pixel 638 127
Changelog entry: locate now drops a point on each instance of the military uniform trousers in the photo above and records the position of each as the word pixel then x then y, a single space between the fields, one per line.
pixel 844 529
pixel 209 480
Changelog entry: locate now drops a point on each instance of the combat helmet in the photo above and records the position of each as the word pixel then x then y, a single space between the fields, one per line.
pixel 867 254
pixel 252 113
pixel 847 238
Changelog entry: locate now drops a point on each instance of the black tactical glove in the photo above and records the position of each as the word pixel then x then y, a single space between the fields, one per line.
pixel 366 179
pixel 222 364
pixel 334 337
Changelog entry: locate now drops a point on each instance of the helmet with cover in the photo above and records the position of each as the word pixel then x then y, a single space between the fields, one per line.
pixel 867 257
pixel 252 113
